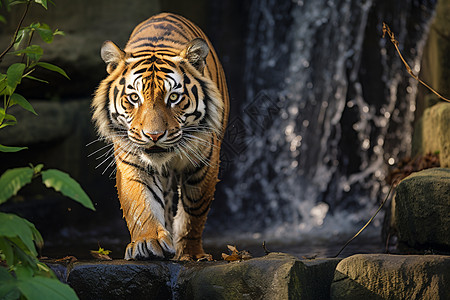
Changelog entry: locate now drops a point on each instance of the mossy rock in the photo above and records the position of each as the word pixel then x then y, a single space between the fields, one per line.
pixel 432 133
pixel 421 214
pixel 382 276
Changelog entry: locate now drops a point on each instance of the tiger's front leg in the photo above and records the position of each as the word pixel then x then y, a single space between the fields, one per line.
pixel 197 192
pixel 142 202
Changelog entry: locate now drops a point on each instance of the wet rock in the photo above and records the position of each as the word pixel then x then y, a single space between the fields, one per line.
pixel 431 133
pixel 275 276
pixel 121 279
pixel 381 276
pixel 421 211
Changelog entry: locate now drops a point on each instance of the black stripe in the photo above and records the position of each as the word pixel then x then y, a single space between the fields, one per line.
pixel 169 63
pixel 166 70
pixel 162 20
pixel 194 91
pixel 185 77
pixel 188 210
pixel 160 201
pixel 153 39
pixel 159 188
pixel 157 198
pixel 159 46
pixel 170 28
pixel 147 52
pixel 190 26
pixel 147 171
pixel 198 169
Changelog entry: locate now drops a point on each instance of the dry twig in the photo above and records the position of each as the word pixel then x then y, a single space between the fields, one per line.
pixel 387 30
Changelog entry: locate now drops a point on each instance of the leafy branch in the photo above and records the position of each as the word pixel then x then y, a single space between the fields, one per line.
pixel 22 275
pixel 30 60
pixel 387 30
pixel 13 40
pixel 14 179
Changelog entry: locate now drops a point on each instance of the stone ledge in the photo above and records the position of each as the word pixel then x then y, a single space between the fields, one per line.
pixel 382 276
pixel 275 276
pixel 420 210
pixel 431 133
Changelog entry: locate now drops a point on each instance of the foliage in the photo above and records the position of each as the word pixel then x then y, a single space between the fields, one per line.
pixel 14 179
pixel 22 275
pixel 30 60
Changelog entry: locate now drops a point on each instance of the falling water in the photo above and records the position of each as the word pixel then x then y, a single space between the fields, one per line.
pixel 328 107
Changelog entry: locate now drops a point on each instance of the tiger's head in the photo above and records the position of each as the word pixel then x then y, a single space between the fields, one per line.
pixel 157 105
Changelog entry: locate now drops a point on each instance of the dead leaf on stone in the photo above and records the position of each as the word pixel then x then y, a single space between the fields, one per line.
pixel 206 257
pixel 67 259
pixel 236 255
pixel 101 254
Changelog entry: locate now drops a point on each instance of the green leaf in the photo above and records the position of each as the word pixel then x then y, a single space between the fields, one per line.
pixel 20 100
pixel 58 32
pixel 42 2
pixel 33 52
pixel 52 68
pixel 15 227
pixel 37 169
pixel 65 184
pixel 22 254
pixel 13 180
pixel 23 32
pixel 11 149
pixel 5 275
pixel 39 287
pixel 14 75
pixel 2 19
pixel 15 2
pixel 37 79
pixel 7 250
pixel 8 287
pixel 45 33
pixel 7 120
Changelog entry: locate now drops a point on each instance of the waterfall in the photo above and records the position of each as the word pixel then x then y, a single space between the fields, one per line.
pixel 328 107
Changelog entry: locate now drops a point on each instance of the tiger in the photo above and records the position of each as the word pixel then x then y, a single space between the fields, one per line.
pixel 164 109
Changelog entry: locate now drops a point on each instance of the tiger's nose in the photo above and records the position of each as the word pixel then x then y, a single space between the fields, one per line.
pixel 154 135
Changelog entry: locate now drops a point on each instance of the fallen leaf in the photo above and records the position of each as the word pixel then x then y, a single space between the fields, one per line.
pixel 100 256
pixel 67 259
pixel 207 257
pixel 235 254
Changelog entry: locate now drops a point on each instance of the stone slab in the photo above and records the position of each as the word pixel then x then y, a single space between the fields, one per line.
pixel 432 134
pixel 382 276
pixel 422 210
pixel 275 276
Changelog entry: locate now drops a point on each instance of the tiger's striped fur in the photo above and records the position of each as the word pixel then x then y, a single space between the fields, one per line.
pixel 164 106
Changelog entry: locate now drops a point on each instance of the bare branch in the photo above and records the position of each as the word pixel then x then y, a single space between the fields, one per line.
pixel 387 30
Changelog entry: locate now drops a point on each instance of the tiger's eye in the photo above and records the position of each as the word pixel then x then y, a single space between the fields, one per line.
pixel 134 98
pixel 173 97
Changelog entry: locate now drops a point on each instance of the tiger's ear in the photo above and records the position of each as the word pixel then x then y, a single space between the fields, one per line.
pixel 111 55
pixel 196 52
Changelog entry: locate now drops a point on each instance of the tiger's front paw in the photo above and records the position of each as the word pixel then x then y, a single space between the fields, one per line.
pixel 151 248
